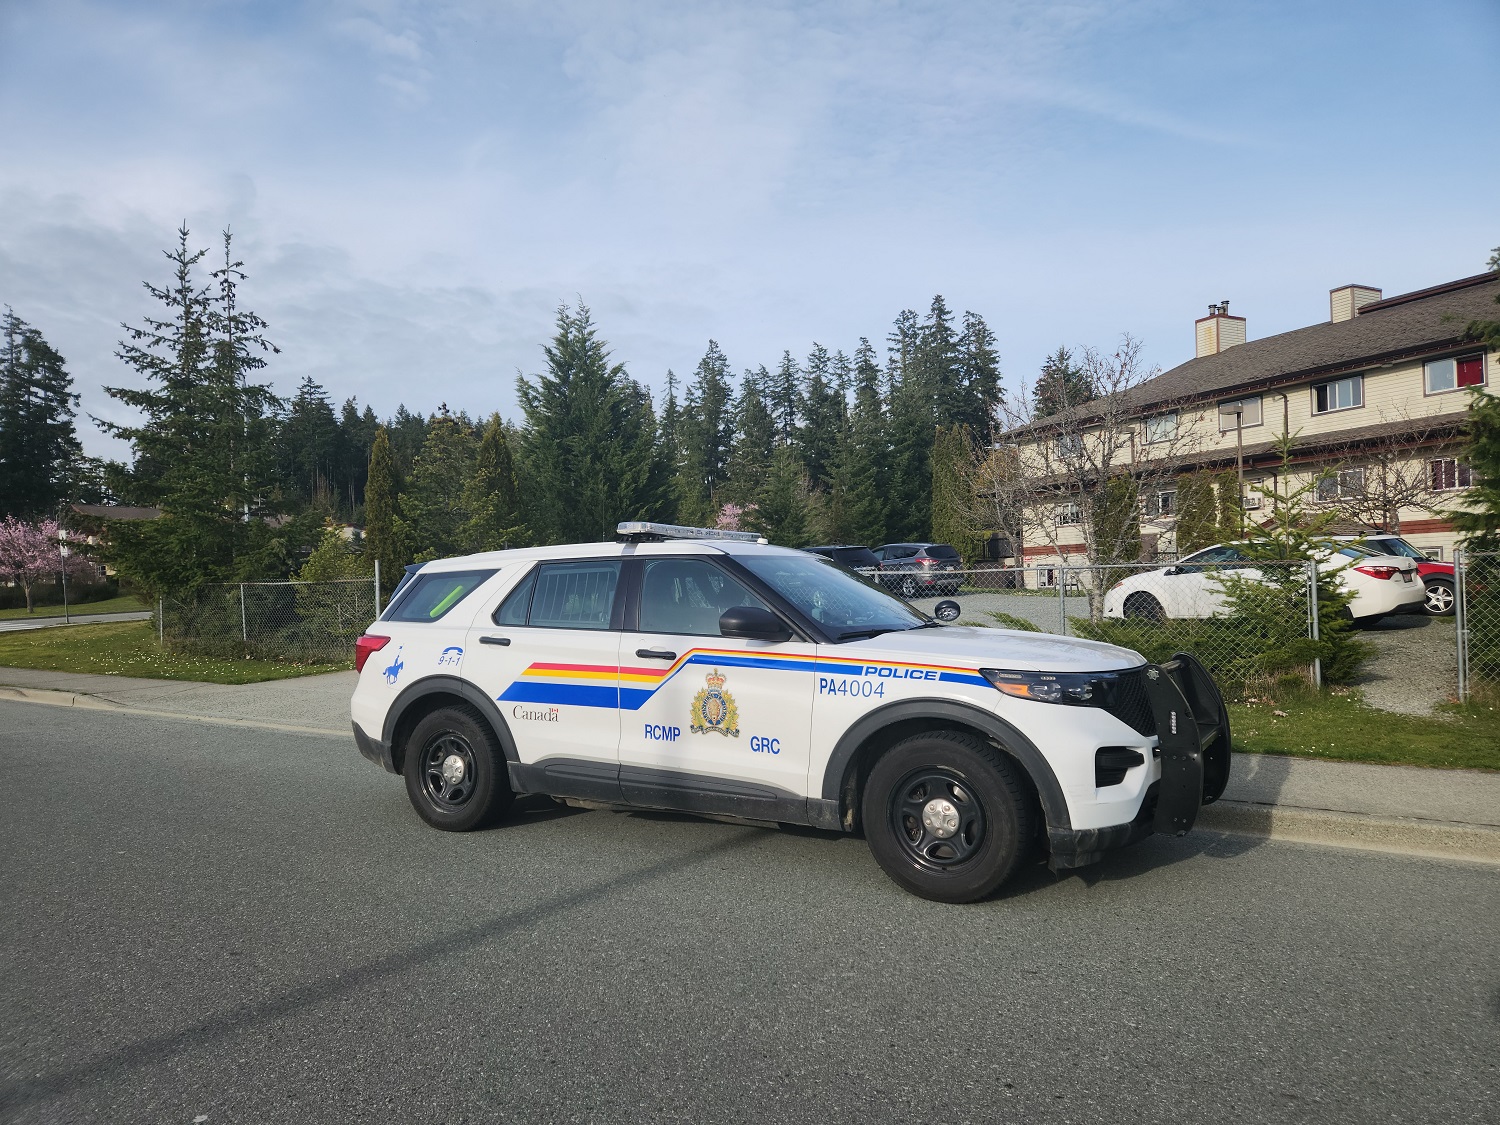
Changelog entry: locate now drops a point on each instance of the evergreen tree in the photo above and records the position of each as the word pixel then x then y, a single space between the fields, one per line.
pixel 938 365
pixel 1197 523
pixel 707 435
pixel 754 441
pixel 784 400
pixel 910 433
pixel 590 440
pixel 39 450
pixel 1117 521
pixel 382 539
pixel 202 449
pixel 432 516
pixel 1231 506
pixel 865 455
pixel 952 453
pixel 979 367
pixel 780 512
pixel 491 499
pixel 355 435
pixel 407 431
pixel 1060 386
pixel 309 445
pixel 824 409
pixel 669 430
pixel 1479 518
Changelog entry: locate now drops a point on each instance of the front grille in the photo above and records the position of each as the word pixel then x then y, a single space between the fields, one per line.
pixel 1129 703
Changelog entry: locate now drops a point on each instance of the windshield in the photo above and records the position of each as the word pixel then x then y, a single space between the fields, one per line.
pixel 1397 547
pixel 845 605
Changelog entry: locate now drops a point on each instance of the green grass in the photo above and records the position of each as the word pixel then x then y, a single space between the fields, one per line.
pixel 1340 728
pixel 129 648
pixel 123 604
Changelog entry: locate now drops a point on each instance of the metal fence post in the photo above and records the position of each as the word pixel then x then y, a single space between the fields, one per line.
pixel 1062 600
pixel 244 624
pixel 1312 622
pixel 161 605
pixel 1461 623
pixel 377 587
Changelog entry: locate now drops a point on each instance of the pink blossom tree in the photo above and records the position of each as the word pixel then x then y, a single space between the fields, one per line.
pixel 29 553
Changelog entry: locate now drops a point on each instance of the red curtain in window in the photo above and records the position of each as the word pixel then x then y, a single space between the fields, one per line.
pixel 1471 371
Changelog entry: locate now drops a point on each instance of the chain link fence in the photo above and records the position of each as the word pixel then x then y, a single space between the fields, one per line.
pixel 1247 624
pixel 1477 581
pixel 288 622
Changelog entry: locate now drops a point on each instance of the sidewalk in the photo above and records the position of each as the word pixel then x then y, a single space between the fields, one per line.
pixel 18 624
pixel 1453 813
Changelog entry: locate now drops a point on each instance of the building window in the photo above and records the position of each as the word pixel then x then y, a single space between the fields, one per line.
pixel 1433 553
pixel 1068 446
pixel 1166 502
pixel 1346 484
pixel 1341 394
pixel 1449 473
pixel 1453 373
pixel 1249 414
pixel 1161 428
pixel 1068 514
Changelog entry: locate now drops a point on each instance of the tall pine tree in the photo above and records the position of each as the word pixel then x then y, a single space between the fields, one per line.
pixel 707 435
pixel 1061 385
pixel 39 450
pixel 382 537
pixel 823 408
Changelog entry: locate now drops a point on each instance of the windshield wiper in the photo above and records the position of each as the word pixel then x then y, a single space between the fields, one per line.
pixel 865 634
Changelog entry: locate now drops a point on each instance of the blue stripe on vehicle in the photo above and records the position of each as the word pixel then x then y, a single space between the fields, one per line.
pixel 962 678
pixel 633 699
pixel 570 695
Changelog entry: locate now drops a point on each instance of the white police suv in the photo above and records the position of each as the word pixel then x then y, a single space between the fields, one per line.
pixel 706 672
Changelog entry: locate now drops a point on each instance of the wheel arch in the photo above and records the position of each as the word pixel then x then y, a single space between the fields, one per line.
pixel 876 732
pixel 424 697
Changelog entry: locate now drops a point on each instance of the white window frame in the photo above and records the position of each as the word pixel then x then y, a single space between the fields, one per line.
pixel 1155 425
pixel 1170 507
pixel 1356 381
pixel 1069 514
pixel 1340 490
pixel 1451 362
pixel 1226 421
pixel 1463 476
pixel 1435 553
pixel 1065 446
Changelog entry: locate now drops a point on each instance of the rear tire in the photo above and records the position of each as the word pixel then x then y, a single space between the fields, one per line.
pixel 1440 600
pixel 455 771
pixel 1143 607
pixel 947 816
pixel 908 587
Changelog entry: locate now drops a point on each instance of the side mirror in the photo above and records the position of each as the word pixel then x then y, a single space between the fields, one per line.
pixel 947 610
pixel 1171 570
pixel 751 622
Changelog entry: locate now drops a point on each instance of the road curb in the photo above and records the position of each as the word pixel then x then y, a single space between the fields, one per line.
pixel 92 702
pixel 1473 843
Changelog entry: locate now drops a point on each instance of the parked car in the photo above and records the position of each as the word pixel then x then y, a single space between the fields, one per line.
pixel 1381 584
pixel 913 569
pixel 699 671
pixel 859 559
pixel 1436 575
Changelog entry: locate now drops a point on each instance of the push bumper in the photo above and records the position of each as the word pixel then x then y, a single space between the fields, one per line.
pixel 1192 730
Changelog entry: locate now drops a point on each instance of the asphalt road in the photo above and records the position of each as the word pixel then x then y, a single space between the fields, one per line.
pixel 217 924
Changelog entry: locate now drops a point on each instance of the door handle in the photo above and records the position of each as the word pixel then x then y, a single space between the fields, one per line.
pixel 494 640
pixel 655 654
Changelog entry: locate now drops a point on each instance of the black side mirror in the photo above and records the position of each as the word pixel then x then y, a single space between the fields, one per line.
pixel 1171 570
pixel 752 623
pixel 947 610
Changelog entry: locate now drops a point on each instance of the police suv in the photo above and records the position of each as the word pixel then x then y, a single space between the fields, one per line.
pixel 706 672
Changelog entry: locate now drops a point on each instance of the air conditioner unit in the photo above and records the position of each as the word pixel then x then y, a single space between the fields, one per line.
pixel 1252 502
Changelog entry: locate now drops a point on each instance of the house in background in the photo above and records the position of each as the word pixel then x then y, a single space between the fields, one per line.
pixel 1376 398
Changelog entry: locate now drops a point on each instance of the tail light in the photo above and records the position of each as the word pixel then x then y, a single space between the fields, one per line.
pixel 924 562
pixel 365 645
pixel 1379 571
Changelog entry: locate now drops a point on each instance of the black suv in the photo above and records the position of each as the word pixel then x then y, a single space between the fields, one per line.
pixel 861 560
pixel 911 569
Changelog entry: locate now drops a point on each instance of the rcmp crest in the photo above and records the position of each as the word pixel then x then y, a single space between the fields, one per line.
pixel 714 709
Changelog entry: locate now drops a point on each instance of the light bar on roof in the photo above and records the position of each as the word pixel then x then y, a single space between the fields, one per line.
pixel 636 530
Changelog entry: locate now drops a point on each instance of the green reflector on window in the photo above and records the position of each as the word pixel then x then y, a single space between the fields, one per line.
pixel 447 603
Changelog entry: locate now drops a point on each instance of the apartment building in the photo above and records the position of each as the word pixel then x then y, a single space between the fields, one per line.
pixel 1375 397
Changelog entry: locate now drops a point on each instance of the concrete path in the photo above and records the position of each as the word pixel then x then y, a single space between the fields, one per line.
pixel 17 624
pixel 1454 813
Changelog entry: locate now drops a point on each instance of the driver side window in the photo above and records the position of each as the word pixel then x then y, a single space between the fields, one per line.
pixel 688 596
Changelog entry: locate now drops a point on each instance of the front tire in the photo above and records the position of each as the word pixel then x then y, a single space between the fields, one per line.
pixel 455 771
pixel 908 587
pixel 1143 607
pixel 947 816
pixel 1440 600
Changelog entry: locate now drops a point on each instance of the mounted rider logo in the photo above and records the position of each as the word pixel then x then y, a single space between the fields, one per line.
pixel 396 665
pixel 714 709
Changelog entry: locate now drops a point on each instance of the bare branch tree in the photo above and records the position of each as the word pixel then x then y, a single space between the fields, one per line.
pixel 1374 479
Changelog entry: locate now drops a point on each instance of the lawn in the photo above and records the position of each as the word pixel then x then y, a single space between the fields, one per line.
pixel 129 648
pixel 123 604
pixel 1341 728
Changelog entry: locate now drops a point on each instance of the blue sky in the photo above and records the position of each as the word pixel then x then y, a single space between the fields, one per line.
pixel 415 187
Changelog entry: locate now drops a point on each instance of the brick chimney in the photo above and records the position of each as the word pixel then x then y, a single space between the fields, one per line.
pixel 1345 302
pixel 1218 330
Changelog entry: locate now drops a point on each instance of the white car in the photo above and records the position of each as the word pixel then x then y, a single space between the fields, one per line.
pixel 703 672
pixel 1381 584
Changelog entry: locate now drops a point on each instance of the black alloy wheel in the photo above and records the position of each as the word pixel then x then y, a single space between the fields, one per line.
pixel 948 816
pixel 1440 599
pixel 908 587
pixel 455 771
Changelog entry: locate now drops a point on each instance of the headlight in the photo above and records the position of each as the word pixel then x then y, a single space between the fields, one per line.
pixel 1081 689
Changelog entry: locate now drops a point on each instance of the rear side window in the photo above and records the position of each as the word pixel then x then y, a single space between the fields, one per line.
pixel 941 551
pixel 574 595
pixel 429 596
pixel 855 557
pixel 513 609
